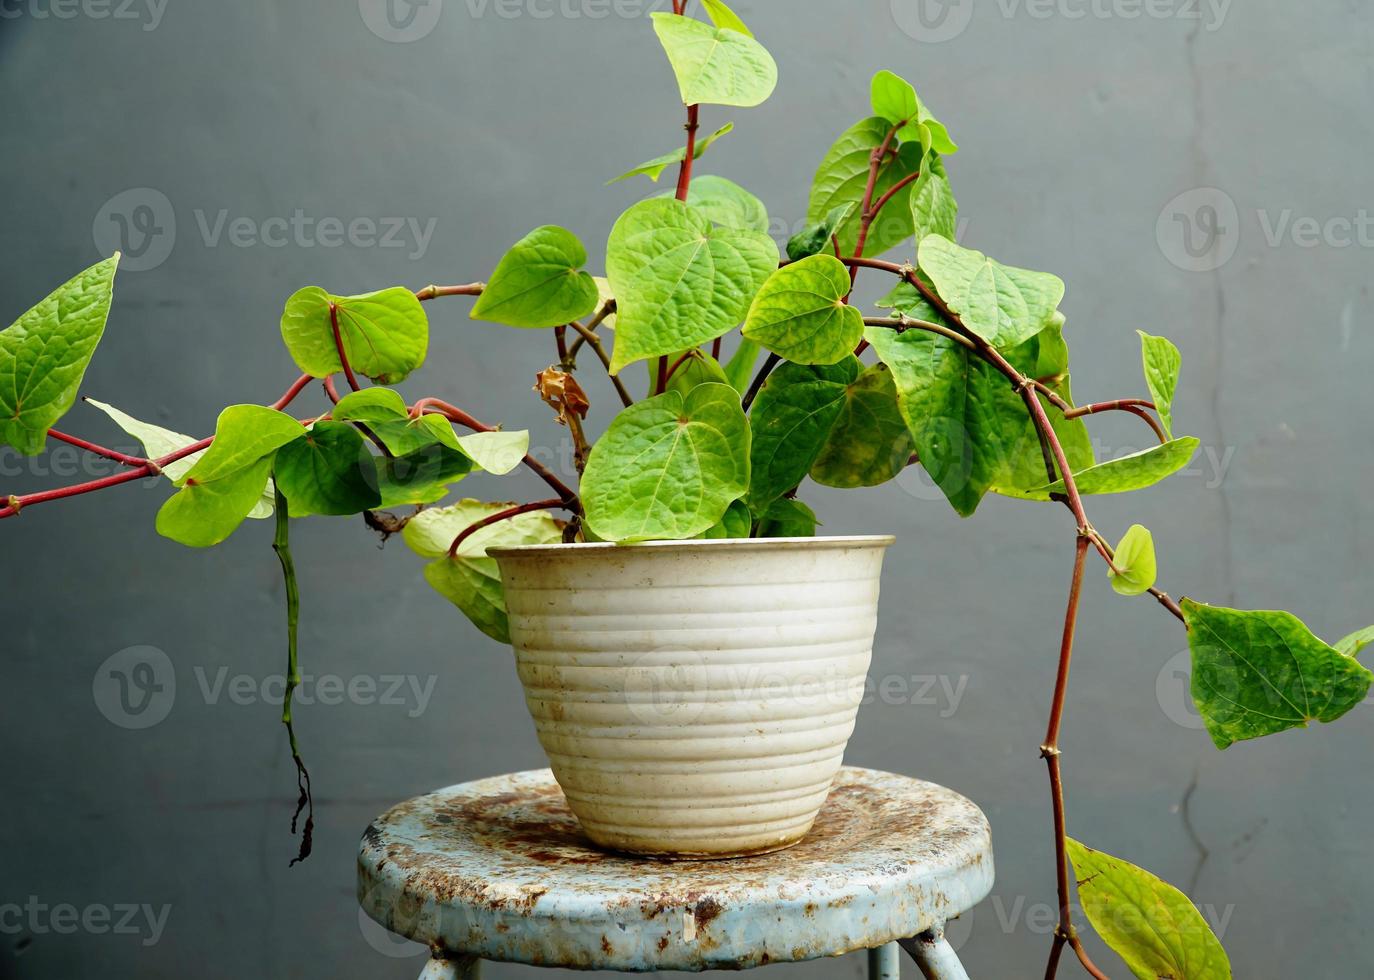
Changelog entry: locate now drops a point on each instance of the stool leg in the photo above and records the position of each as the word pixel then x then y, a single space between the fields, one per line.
pixel 885 962
pixel 441 967
pixel 934 955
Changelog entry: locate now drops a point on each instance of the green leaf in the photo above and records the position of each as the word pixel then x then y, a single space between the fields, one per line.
pixel 739 370
pixel 1002 304
pixel 219 491
pixel 723 16
pixel 44 354
pixel 327 471
pixel 244 434
pixel 951 404
pixel 678 281
pixel 869 443
pixel 800 313
pixel 933 208
pixel 1148 922
pixel 1162 364
pixel 1134 558
pixel 843 177
pixel 420 477
pixel 715 65
pixel 896 101
pixel 1257 673
pixel 471 580
pixel 496 452
pixel 158 442
pixel 201 515
pixel 817 237
pixel 1133 472
pixel 604 296
pixel 737 523
pixel 653 169
pixel 727 204
pixel 788 518
pixel 384 412
pixel 385 334
pixel 790 419
pixel 668 467
pixel 1351 645
pixel 538 283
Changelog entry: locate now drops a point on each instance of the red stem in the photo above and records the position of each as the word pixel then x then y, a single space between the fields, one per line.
pixel 91 447
pixel 684 173
pixel 893 191
pixel 677 364
pixel 505 515
pixel 339 346
pixel 434 292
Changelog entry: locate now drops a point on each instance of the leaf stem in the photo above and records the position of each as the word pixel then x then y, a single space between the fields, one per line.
pixel 339 346
pixel 773 361
pixel 588 333
pixel 434 292
pixel 505 515
pixel 586 336
pixel 1135 406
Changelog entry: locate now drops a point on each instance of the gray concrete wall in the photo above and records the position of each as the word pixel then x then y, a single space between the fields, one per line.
pixel 1079 133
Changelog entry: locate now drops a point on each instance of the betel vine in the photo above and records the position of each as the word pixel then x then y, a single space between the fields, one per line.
pixel 964 374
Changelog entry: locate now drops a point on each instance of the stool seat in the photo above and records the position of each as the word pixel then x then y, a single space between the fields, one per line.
pixel 498 869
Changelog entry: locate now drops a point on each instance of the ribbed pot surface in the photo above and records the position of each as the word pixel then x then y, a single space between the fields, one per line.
pixel 694 698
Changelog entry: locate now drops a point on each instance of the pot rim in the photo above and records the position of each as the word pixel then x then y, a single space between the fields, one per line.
pixel 591 548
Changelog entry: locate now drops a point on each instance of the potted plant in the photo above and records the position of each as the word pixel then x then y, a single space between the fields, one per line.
pixel 692 653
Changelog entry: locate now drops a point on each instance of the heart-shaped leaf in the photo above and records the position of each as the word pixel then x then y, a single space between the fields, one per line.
pixel 1162 364
pixel 421 477
pixel 842 179
pixel 723 16
pixel 1134 559
pixel 327 471
pixel 790 419
pixel 653 169
pixel 384 412
pixel 385 334
pixel 869 443
pixel 1257 673
pixel 1148 922
pixel 737 523
pixel 715 65
pixel 44 354
pixel 800 313
pixel 1004 305
pixel 538 283
pixel 678 281
pixel 669 466
pixel 226 483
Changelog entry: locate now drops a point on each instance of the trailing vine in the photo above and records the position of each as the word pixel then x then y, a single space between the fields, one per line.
pixel 964 375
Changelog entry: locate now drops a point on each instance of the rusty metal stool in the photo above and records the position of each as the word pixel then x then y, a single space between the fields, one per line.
pixel 497 869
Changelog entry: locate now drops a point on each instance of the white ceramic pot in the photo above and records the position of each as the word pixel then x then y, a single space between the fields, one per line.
pixel 694 697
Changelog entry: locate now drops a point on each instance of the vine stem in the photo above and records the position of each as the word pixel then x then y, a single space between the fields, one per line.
pixel 585 335
pixel 281 544
pixel 866 211
pixel 684 186
pixel 90 447
pixel 434 292
pixel 15 503
pixel 505 515
pixel 773 361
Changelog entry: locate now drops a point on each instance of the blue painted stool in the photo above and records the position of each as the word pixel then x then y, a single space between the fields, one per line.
pixel 497 869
